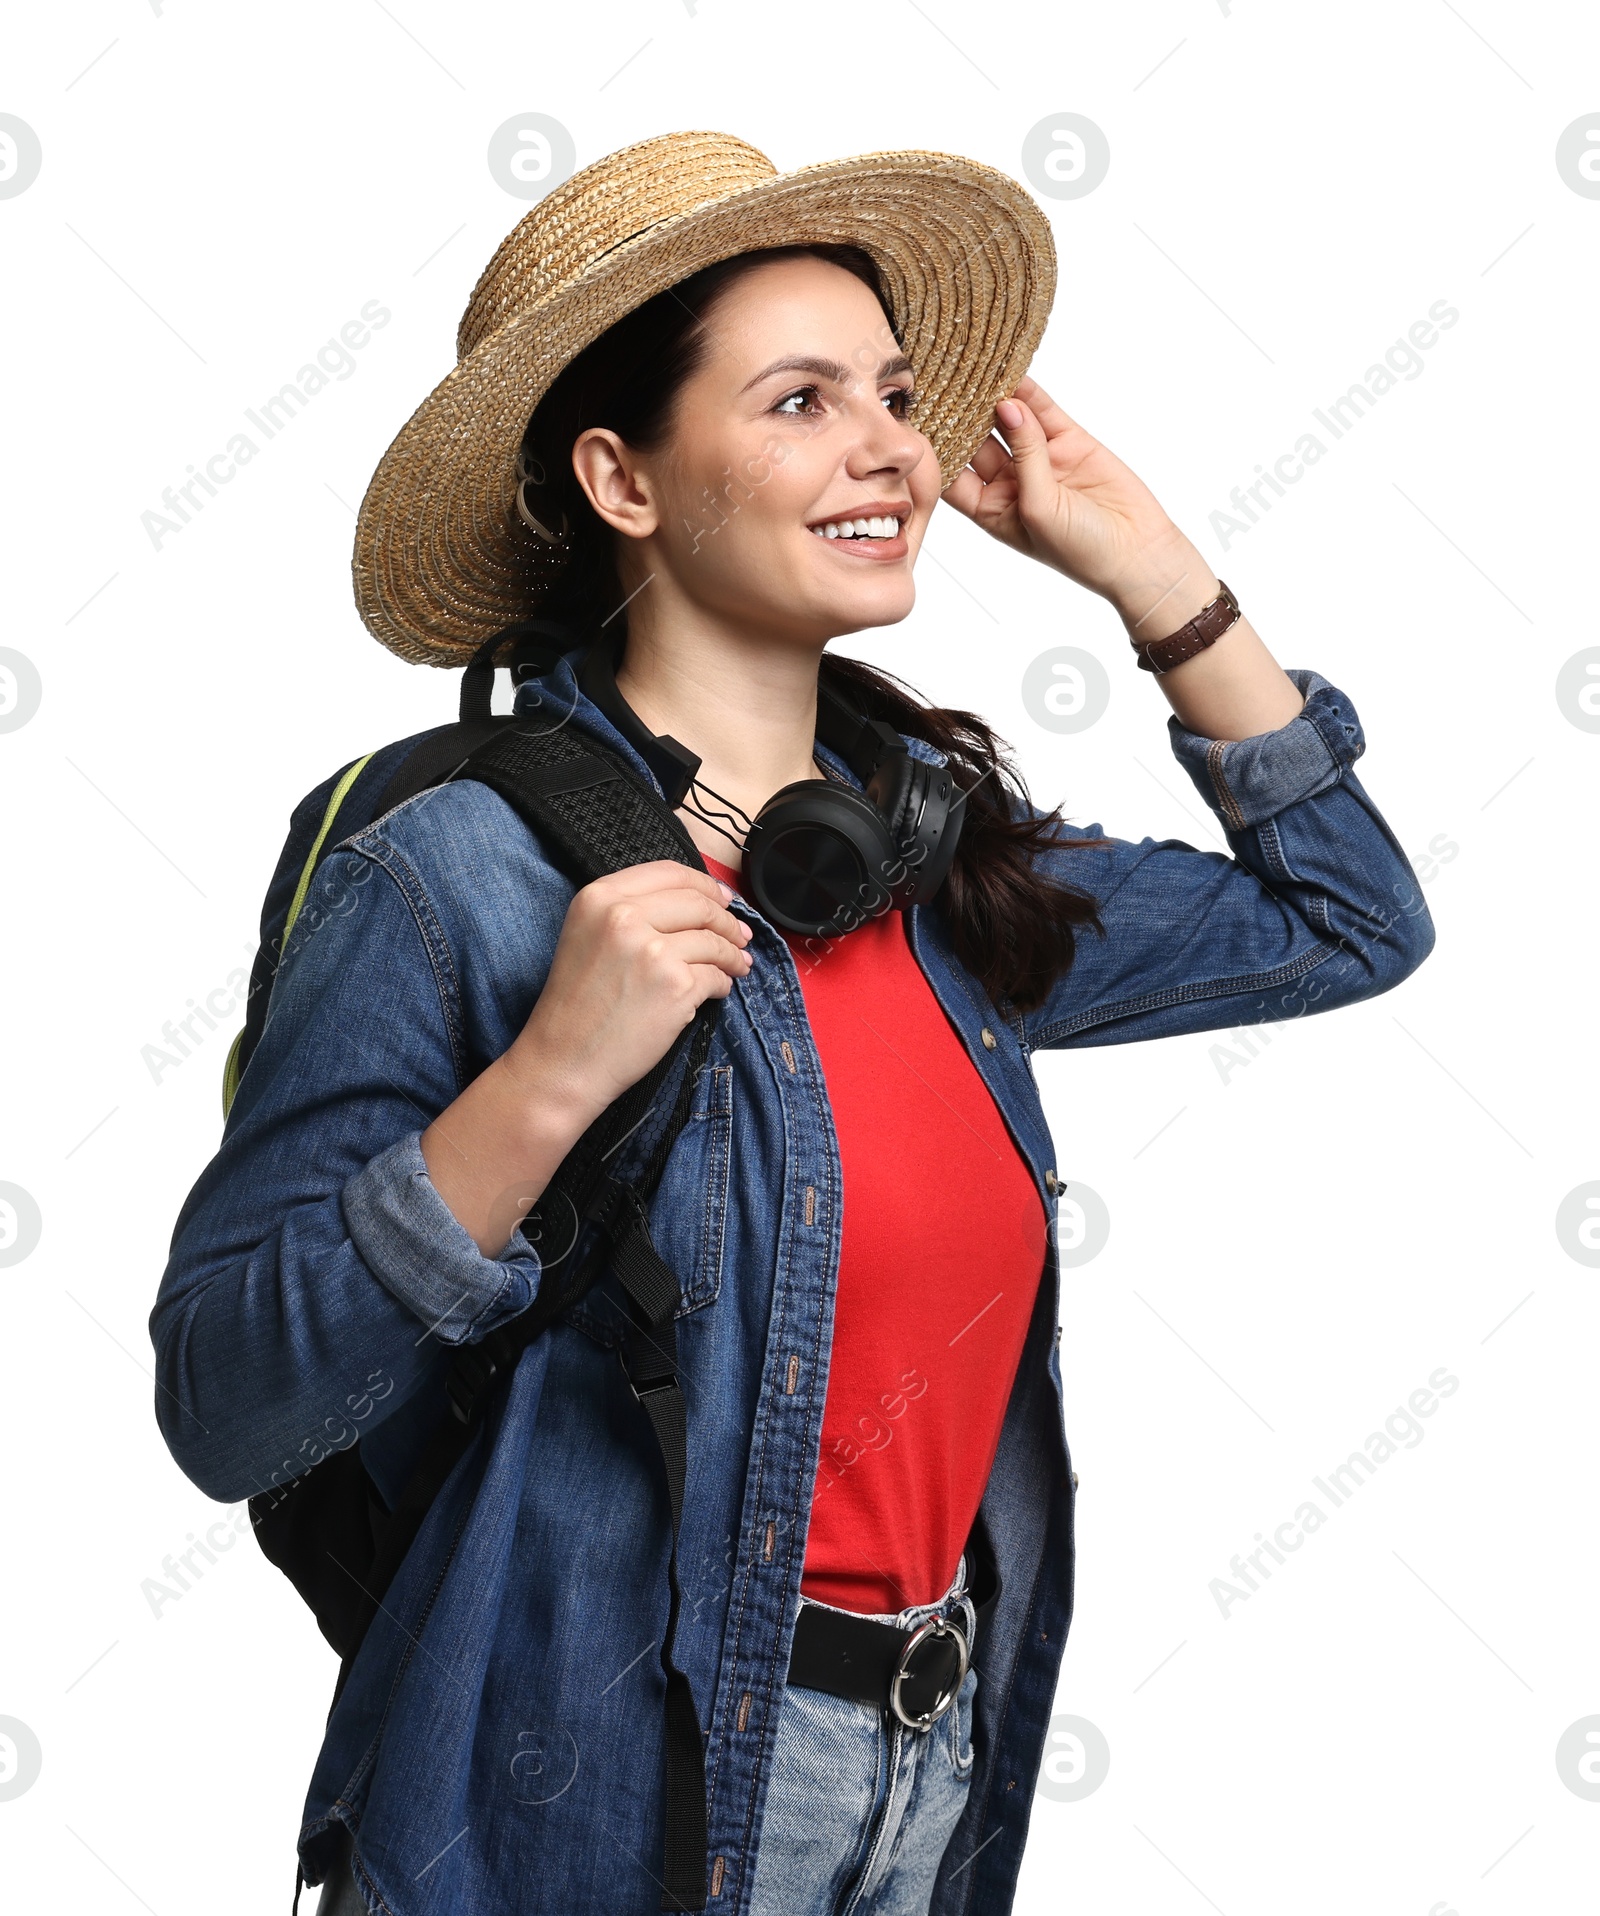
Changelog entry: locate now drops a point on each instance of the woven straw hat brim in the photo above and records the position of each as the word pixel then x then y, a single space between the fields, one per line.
pixel 442 558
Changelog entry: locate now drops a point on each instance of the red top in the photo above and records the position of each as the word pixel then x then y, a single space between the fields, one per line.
pixel 943 1246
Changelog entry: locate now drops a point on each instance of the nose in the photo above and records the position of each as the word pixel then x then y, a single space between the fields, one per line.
pixel 883 444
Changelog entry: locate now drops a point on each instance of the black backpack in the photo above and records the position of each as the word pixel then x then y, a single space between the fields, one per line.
pixel 328 1530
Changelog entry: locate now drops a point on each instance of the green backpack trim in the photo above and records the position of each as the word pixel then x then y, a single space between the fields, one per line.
pixel 231 1073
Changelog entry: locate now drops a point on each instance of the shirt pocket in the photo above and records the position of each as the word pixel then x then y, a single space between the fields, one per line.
pixel 688 1213
pixel 694 1190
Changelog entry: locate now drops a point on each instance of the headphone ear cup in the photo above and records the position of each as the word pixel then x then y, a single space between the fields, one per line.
pixel 922 810
pixel 816 858
pixel 944 812
pixel 896 791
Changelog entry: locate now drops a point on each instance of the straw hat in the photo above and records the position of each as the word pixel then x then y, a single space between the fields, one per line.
pixel 442 558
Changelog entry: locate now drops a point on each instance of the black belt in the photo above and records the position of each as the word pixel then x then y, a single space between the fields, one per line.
pixel 915 1672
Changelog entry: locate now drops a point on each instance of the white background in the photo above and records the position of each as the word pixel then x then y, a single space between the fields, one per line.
pixel 1313 1231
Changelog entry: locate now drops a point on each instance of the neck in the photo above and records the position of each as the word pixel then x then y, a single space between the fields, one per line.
pixel 745 702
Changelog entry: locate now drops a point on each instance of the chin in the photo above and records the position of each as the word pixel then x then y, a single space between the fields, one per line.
pixel 890 614
pixel 827 610
pixel 863 610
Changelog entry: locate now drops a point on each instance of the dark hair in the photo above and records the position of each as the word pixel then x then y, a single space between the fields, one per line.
pixel 1011 926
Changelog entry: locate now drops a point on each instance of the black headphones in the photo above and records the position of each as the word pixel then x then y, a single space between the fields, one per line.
pixel 819 857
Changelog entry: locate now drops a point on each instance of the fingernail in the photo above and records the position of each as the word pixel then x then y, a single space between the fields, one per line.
pixel 726 890
pixel 1009 412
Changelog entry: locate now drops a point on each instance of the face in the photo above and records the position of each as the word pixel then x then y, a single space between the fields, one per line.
pixel 797 428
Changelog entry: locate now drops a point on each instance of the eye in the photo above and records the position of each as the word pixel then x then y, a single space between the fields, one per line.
pixel 807 400
pixel 787 405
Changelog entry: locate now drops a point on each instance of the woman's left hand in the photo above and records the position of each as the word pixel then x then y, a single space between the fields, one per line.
pixel 1053 491
pixel 1058 495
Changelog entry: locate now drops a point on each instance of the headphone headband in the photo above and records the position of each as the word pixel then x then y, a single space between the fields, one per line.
pixel 674 765
pixel 862 743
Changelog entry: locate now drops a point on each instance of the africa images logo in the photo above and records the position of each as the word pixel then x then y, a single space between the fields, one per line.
pixel 334 361
pixel 1401 361
pixel 1250 1569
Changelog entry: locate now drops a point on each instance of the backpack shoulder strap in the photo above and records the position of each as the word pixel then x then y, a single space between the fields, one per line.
pixel 365 790
pixel 580 796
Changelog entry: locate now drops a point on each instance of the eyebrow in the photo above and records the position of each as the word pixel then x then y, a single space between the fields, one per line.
pixel 829 369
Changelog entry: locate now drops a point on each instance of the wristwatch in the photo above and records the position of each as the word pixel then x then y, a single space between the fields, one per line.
pixel 1205 628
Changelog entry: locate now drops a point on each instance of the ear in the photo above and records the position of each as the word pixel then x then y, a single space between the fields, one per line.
pixel 615 482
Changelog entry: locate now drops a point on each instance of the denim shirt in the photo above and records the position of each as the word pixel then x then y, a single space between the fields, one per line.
pixel 498 1744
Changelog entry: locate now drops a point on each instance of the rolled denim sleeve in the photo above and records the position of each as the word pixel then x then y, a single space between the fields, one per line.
pixel 1315 904
pixel 1247 780
pixel 416 1247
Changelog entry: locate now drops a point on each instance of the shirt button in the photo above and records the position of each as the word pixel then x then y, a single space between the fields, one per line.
pixel 1052 1183
pixel 989 1039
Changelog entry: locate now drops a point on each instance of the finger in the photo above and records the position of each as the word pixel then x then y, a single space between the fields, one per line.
pixel 990 460
pixel 707 948
pixel 1037 491
pixel 685 909
pixel 1045 409
pixel 990 464
pixel 658 874
pixel 964 492
pixel 709 982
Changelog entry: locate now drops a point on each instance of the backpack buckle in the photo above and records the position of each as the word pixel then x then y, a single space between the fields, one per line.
pixel 649 1366
pixel 651 1385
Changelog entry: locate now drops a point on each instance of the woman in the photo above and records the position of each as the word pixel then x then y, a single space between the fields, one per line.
pixel 704 413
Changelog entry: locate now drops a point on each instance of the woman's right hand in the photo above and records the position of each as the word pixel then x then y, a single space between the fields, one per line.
pixel 639 952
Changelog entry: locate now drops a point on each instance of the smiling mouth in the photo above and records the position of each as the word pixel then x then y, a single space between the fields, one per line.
pixel 874 537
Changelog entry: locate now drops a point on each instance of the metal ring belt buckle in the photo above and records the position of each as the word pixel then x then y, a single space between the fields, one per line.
pixel 934 1627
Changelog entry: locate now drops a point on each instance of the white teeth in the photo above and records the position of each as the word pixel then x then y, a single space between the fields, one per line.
pixel 859 529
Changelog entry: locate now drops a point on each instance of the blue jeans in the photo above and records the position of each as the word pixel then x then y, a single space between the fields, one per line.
pixel 859 1807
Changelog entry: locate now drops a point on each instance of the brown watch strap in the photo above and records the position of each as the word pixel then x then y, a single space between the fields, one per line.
pixel 1205 628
